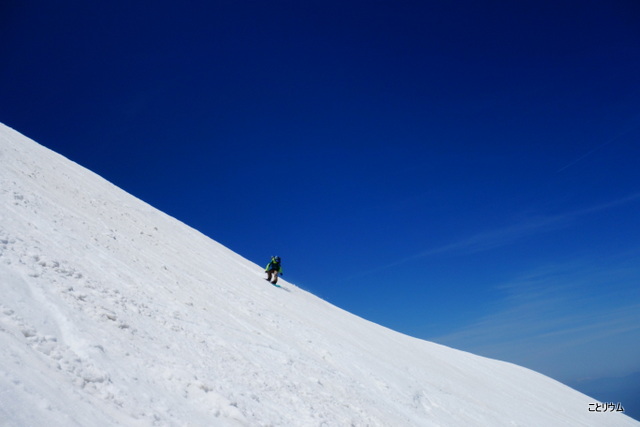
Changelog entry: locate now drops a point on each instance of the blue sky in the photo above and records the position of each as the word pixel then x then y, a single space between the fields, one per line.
pixel 464 172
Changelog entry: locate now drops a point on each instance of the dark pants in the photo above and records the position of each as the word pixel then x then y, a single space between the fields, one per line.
pixel 274 274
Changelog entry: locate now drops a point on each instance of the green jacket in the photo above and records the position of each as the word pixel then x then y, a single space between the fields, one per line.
pixel 274 266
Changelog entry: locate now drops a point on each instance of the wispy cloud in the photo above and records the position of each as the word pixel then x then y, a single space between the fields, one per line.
pixel 529 226
pixel 587 154
pixel 511 233
pixel 497 237
pixel 503 236
pixel 565 321
pixel 629 129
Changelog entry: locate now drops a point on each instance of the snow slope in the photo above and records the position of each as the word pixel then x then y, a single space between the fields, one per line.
pixel 113 313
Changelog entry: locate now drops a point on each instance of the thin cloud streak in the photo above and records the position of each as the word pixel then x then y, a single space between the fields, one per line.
pixel 506 235
pixel 559 310
pixel 604 144
pixel 587 154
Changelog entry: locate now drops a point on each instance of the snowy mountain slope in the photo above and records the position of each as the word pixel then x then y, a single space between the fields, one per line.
pixel 113 313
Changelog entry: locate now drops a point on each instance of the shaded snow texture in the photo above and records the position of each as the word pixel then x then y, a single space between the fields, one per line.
pixel 114 314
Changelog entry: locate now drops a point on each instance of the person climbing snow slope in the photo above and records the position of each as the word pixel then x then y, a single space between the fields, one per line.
pixel 273 269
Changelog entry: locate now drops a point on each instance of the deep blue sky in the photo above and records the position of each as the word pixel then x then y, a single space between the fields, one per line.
pixel 464 172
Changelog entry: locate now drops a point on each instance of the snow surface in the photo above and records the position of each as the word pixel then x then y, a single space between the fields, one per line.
pixel 113 313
